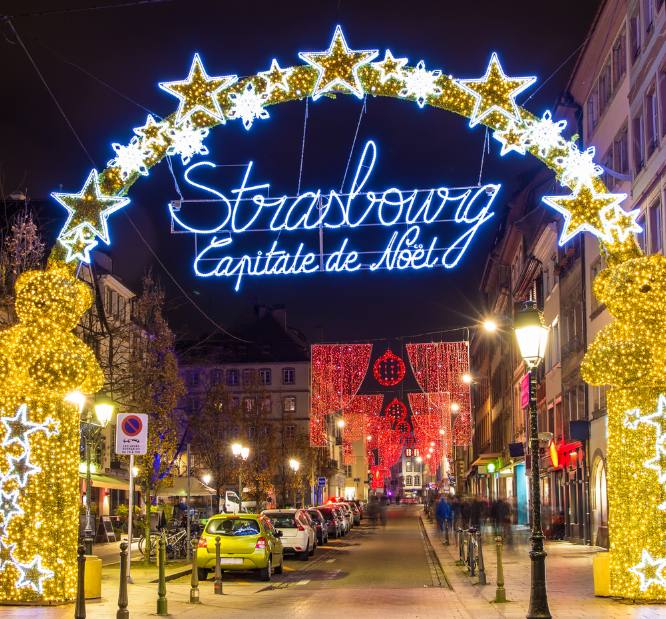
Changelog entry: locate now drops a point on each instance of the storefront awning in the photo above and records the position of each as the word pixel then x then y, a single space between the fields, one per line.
pixel 179 488
pixel 106 481
pixel 486 458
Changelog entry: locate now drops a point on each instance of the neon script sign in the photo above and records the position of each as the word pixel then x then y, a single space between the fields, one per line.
pixel 249 208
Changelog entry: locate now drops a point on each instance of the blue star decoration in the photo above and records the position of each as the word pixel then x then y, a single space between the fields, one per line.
pixel 198 92
pixel 32 574
pixel 89 208
pixel 338 66
pixel 495 92
pixel 18 428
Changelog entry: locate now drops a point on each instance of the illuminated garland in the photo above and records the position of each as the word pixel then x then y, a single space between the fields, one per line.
pixel 356 417
pixel 41 361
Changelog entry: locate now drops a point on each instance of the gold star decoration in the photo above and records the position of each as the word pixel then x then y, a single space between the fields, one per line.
pixel 619 222
pixel 338 66
pixel 90 208
pixel 9 506
pixel 199 92
pixel 20 468
pixel 152 133
pixel 390 67
pixel 32 574
pixel 276 77
pixel 582 212
pixel 6 554
pixel 658 463
pixel 649 571
pixel 495 92
pixel 78 245
pixel 511 138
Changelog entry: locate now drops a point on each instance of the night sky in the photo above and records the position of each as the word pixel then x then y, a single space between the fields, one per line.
pixel 133 48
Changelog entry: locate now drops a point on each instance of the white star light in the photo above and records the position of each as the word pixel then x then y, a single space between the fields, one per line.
pixel 544 133
pixel 390 67
pixel 152 133
pixel 18 428
pixel 130 159
pixel 420 83
pixel 186 140
pixel 578 167
pixel 79 244
pixel 658 463
pixel 32 574
pixel 6 555
pixel 654 568
pixel 276 77
pixel 20 468
pixel 633 417
pixel 9 506
pixel 248 105
pixel 622 222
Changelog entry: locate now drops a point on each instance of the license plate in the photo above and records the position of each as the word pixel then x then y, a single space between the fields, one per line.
pixel 230 561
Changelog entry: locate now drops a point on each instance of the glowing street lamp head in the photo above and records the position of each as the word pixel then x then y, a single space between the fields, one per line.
pixel 245 453
pixel 489 325
pixel 467 378
pixel 531 333
pixel 294 464
pixel 77 399
pixel 341 423
pixel 206 479
pixel 236 449
pixel 103 410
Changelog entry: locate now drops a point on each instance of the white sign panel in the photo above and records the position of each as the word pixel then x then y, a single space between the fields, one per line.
pixel 132 434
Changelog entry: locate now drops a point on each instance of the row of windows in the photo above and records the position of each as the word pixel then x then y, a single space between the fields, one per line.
pixel 649 124
pixel 234 377
pixel 409 452
pixel 249 404
pixel 651 220
pixel 415 481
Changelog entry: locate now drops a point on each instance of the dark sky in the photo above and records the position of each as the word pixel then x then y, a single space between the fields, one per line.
pixel 132 48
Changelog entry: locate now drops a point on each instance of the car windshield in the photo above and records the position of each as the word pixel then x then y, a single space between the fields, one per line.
pixel 315 516
pixel 327 514
pixel 233 526
pixel 283 521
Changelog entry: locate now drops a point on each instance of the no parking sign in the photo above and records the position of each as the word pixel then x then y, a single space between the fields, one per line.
pixel 132 434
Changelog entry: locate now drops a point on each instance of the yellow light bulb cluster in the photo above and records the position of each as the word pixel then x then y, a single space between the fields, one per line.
pixel 41 361
pixel 629 355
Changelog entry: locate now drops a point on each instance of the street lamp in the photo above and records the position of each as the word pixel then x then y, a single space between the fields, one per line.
pixel 532 336
pixel 242 452
pixel 90 432
pixel 294 465
pixel 206 479
pixel 467 378
pixel 489 325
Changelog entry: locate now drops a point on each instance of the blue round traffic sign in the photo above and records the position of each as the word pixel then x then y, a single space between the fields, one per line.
pixel 132 425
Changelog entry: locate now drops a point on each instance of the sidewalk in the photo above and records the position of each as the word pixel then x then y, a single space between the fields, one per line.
pixel 568 574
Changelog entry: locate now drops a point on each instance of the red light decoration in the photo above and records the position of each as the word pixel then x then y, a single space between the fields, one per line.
pixel 357 417
pixel 395 412
pixel 439 367
pixel 554 455
pixel 431 413
pixel 337 373
pixel 389 369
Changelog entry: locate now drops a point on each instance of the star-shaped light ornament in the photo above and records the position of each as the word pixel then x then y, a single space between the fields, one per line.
pixel 338 66
pixel 199 92
pixel 512 138
pixel 152 133
pixel 582 212
pixel 544 133
pixel 276 78
pixel 658 463
pixel 248 105
pixel 9 506
pixel 621 223
pixel 578 166
pixel 6 555
pixel 649 571
pixel 79 244
pixel 390 67
pixel 20 468
pixel 18 428
pixel 634 417
pixel 32 574
pixel 90 208
pixel 420 83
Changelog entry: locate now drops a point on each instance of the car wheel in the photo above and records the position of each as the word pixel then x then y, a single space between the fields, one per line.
pixel 266 572
pixel 202 574
pixel 314 547
pixel 303 556
pixel 280 568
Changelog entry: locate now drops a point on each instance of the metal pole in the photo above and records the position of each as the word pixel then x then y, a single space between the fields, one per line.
pixel 122 612
pixel 130 518
pixel 470 550
pixel 500 593
pixel 161 586
pixel 194 581
pixel 446 531
pixel 88 532
pixel 482 569
pixel 538 608
pixel 461 551
pixel 217 586
pixel 189 524
pixel 80 610
pixel 240 487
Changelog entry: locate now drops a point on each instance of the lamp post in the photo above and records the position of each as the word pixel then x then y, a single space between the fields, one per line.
pixel 532 336
pixel 294 465
pixel 243 453
pixel 90 432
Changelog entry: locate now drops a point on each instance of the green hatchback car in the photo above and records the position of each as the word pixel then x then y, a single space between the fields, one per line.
pixel 247 542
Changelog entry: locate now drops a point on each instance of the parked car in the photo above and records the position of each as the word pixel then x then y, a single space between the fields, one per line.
pixel 298 535
pixel 342 516
pixel 333 521
pixel 247 542
pixel 320 525
pixel 360 505
pixel 355 511
pixel 349 515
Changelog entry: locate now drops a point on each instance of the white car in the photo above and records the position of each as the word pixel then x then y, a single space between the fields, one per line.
pixel 347 511
pixel 298 536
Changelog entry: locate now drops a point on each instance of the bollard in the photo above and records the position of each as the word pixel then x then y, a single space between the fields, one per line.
pixel 217 586
pixel 470 551
pixel 80 610
pixel 122 612
pixel 446 532
pixel 161 586
pixel 461 548
pixel 194 582
pixel 482 569
pixel 500 593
